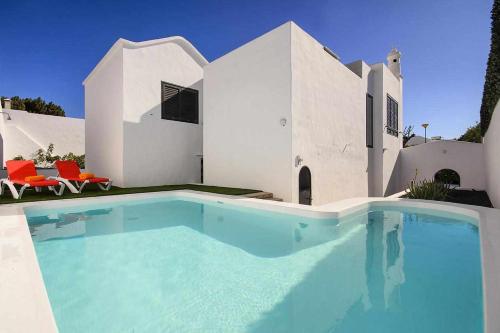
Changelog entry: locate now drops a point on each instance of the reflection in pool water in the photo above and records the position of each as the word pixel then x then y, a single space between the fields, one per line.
pixel 185 266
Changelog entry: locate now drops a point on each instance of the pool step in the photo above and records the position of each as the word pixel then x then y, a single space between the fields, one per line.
pixel 263 196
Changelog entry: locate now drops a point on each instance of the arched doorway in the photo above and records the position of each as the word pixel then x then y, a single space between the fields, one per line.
pixel 305 197
pixel 447 176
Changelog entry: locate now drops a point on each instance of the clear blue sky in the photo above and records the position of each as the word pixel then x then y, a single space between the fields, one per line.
pixel 47 48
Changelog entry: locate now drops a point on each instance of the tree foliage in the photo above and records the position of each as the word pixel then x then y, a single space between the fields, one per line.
pixel 35 105
pixel 407 134
pixel 472 134
pixel 491 91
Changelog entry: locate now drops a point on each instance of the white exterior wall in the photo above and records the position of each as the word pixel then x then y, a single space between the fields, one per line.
pixel 159 151
pixel 246 94
pixel 329 122
pixel 384 160
pixel 27 132
pixel 466 158
pixel 391 144
pixel 103 120
pixel 491 143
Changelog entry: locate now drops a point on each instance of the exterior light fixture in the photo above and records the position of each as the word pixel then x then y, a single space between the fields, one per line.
pixel 425 131
pixel 298 160
pixel 283 122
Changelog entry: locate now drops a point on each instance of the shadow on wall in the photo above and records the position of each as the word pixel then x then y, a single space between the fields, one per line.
pixel 370 173
pixel 160 151
pixel 393 185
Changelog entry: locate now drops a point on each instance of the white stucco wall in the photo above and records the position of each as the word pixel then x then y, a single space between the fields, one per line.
pixel 246 94
pixel 104 119
pixel 25 133
pixel 329 122
pixel 466 158
pixel 392 145
pixel 159 151
pixel 126 138
pixel 491 143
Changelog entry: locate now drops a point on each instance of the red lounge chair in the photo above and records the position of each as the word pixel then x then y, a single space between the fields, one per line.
pixel 70 172
pixel 18 171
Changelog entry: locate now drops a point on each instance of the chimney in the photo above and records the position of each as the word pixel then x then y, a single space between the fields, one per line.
pixel 6 103
pixel 394 62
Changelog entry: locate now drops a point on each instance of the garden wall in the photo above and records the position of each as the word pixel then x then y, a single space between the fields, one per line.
pixel 24 133
pixel 492 158
pixel 466 158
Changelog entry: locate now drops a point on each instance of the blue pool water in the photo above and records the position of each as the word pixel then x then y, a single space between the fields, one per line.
pixel 177 265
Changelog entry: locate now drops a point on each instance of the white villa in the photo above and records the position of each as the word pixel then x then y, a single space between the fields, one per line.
pixel 281 113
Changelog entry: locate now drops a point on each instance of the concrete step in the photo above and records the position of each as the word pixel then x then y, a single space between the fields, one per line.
pixel 260 195
pixel 263 196
pixel 274 199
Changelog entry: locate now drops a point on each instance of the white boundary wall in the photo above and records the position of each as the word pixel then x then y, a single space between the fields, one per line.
pixel 466 158
pixel 491 143
pixel 26 132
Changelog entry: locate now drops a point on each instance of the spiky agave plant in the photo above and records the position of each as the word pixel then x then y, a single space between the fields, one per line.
pixel 427 189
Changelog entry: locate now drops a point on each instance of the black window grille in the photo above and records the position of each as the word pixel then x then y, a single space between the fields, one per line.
pixel 369 120
pixel 179 103
pixel 392 116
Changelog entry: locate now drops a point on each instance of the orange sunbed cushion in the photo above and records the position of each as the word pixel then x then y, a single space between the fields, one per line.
pixel 86 175
pixel 34 178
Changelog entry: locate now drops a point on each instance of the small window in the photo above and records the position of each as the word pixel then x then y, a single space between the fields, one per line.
pixel 392 116
pixel 369 121
pixel 179 103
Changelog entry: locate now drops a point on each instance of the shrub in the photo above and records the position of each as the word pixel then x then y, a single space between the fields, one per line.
pixel 427 190
pixel 80 159
pixel 46 159
pixel 472 134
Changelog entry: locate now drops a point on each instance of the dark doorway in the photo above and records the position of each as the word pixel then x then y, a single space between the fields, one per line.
pixel 447 176
pixel 201 166
pixel 305 197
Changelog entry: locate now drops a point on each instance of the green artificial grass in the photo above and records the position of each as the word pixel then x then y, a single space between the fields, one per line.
pixel 92 190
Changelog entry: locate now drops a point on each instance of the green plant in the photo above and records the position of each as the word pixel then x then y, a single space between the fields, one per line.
pixel 79 159
pixel 491 90
pixel 407 134
pixel 427 190
pixel 46 158
pixel 472 134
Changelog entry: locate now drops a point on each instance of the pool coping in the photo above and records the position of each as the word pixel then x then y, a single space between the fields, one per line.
pixel 25 305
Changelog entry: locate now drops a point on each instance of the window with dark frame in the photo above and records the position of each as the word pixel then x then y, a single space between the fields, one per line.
pixel 369 121
pixel 179 103
pixel 392 116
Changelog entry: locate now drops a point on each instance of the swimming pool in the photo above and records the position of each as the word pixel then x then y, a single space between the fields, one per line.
pixel 183 265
